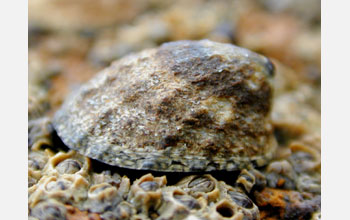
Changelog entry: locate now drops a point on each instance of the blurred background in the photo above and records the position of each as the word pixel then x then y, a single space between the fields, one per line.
pixel 71 40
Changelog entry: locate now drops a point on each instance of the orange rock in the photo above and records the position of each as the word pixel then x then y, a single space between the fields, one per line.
pixel 74 213
pixel 286 204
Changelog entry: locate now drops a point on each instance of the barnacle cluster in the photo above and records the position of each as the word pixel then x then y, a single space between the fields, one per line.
pixel 63 185
pixel 67 187
pixel 67 182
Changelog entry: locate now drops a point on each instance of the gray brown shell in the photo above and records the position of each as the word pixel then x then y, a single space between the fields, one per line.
pixel 185 106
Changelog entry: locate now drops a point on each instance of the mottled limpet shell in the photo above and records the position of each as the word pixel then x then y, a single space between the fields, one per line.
pixel 185 106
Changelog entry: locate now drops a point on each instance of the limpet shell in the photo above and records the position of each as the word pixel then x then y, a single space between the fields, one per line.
pixel 185 106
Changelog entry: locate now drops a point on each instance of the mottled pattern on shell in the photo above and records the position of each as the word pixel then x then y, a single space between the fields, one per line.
pixel 185 106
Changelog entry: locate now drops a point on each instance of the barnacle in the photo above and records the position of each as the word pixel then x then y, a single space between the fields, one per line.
pixel 146 194
pixel 204 186
pixel 177 202
pixel 67 163
pixel 49 210
pixel 105 196
pixel 39 133
pixel 72 188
